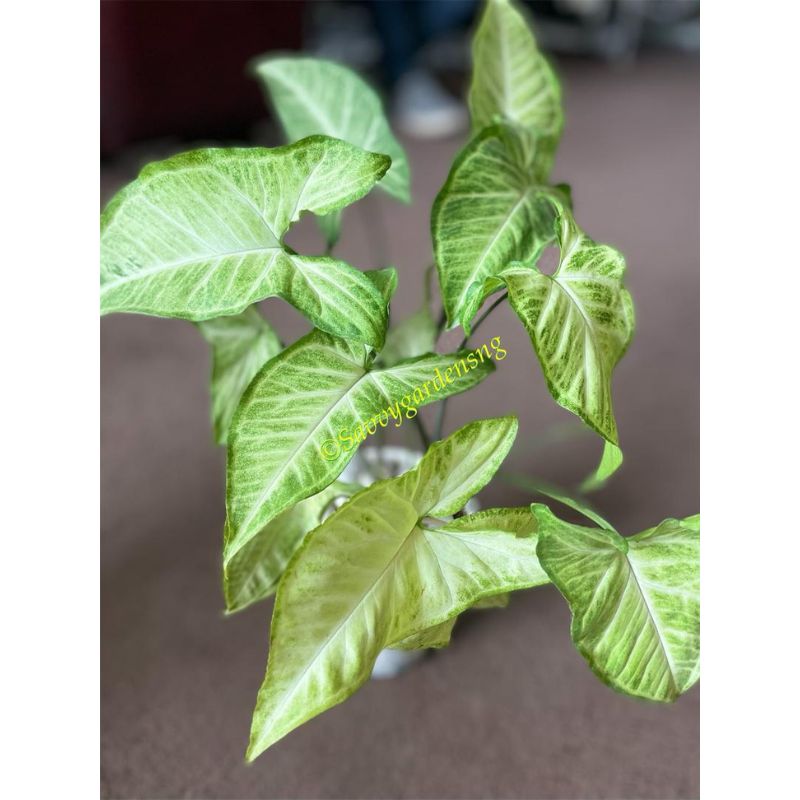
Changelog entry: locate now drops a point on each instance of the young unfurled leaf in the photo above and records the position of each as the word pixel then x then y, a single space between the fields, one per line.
pixel 304 415
pixel 240 346
pixel 313 95
pixel 511 79
pixel 580 321
pixel 635 601
pixel 412 337
pixel 253 573
pixel 378 575
pixel 415 335
pixel 560 496
pixel 200 235
pixel 493 209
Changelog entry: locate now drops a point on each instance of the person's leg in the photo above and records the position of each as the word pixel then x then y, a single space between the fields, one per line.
pixel 438 17
pixel 400 36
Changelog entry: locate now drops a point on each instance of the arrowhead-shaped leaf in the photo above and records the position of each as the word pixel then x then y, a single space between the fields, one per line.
pixel 635 601
pixel 304 415
pixel 200 235
pixel 313 95
pixel 374 574
pixel 240 346
pixel 511 79
pixel 254 571
pixel 580 320
pixel 493 209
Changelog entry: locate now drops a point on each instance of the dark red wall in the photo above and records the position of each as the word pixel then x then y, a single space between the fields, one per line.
pixel 178 68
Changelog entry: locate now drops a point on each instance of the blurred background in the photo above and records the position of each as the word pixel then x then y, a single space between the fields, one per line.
pixel 509 709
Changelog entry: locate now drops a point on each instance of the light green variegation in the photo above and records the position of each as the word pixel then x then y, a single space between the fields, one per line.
pixel 635 601
pixel 439 635
pixel 580 321
pixel 253 573
pixel 379 576
pixel 414 336
pixel 313 95
pixel 318 391
pixel 435 637
pixel 200 235
pixel 493 209
pixel 511 79
pixel 240 346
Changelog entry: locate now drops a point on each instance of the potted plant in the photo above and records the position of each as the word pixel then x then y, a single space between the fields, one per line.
pixel 357 569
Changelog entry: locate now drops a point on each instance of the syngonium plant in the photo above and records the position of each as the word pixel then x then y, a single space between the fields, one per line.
pixel 200 236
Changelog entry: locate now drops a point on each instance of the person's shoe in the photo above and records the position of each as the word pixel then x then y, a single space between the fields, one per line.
pixel 424 110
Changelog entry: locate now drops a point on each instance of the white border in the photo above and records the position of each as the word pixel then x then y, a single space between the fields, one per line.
pixel 750 363
pixel 50 375
pixel 750 382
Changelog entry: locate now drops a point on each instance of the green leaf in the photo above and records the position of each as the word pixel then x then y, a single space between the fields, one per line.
pixel 240 346
pixel 414 336
pixel 580 321
pixel 493 209
pixel 385 281
pixel 635 601
pixel 373 574
pixel 304 415
pixel 610 462
pixel 200 235
pixel 253 573
pixel 511 79
pixel 312 95
pixel 331 227
pixel 437 637
pixel 496 601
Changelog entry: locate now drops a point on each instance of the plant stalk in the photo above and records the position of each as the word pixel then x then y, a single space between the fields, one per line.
pixel 443 405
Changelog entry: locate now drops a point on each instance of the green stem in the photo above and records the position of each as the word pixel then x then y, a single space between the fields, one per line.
pixel 441 322
pixel 443 404
pixel 423 433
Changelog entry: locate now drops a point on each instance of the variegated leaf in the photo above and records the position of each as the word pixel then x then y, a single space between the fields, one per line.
pixel 635 601
pixel 253 573
pixel 304 415
pixel 200 235
pixel 240 346
pixel 415 335
pixel 435 637
pixel 493 209
pixel 379 575
pixel 511 79
pixel 580 320
pixel 314 95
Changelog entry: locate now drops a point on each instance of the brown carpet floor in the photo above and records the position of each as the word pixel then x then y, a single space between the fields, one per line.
pixel 510 710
